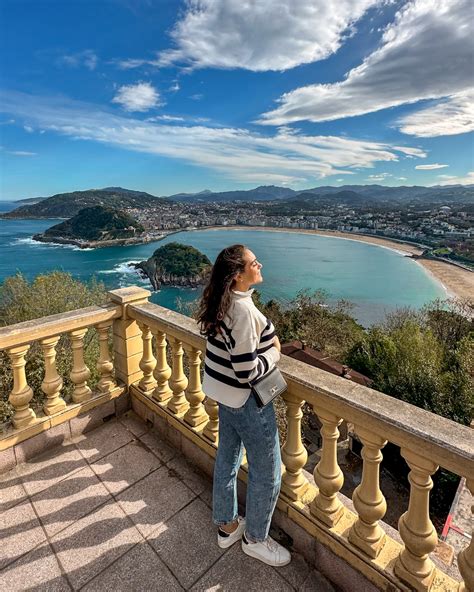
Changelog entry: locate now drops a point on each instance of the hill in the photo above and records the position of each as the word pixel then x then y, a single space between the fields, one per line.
pixel 94 224
pixel 175 264
pixel 262 193
pixel 65 205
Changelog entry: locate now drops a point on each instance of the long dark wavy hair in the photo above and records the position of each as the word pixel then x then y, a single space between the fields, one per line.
pixel 216 298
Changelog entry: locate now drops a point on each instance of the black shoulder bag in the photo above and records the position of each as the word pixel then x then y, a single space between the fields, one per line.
pixel 268 387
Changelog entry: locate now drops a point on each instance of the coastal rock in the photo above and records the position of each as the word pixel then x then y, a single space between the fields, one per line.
pixel 175 265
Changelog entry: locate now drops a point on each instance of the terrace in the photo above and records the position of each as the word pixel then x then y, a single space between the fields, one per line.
pixel 96 496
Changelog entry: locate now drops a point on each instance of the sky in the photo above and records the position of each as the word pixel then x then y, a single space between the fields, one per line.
pixel 169 96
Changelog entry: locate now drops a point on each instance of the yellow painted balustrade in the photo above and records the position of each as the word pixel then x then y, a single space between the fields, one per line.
pixel 154 348
pixel 16 341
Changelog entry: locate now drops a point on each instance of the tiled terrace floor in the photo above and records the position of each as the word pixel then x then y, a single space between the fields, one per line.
pixel 119 509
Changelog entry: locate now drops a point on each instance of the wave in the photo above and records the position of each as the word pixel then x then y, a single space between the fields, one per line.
pixel 122 267
pixel 33 243
pixel 128 275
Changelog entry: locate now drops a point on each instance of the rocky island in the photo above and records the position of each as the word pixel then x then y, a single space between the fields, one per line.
pixel 175 264
pixel 98 226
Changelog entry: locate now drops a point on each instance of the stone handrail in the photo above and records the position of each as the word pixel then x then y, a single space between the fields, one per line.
pixel 17 339
pixel 427 441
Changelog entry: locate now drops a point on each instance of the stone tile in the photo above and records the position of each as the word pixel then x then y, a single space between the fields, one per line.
pixel 144 412
pixel 50 468
pixel 103 440
pixel 235 572
pixel 20 531
pixel 42 442
pixel 134 424
pixel 122 404
pixel 139 569
pixel 125 466
pixel 196 481
pixel 7 460
pixel 188 543
pixel 90 545
pixel 93 419
pixel 38 570
pixel 197 457
pixel 163 450
pixel 12 491
pixel 297 571
pixel 69 500
pixel 316 581
pixel 155 499
pixel 206 496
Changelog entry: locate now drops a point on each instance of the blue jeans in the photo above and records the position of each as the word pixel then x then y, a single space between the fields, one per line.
pixel 256 429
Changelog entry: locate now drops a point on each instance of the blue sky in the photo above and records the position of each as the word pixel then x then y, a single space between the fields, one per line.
pixel 167 96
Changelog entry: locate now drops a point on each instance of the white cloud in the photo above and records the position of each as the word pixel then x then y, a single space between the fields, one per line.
pixel 451 180
pixel 86 58
pixel 28 129
pixel 430 167
pixel 284 157
pixel 426 53
pixel 21 153
pixel 175 86
pixel 165 118
pixel 137 97
pixel 259 35
pixel 452 116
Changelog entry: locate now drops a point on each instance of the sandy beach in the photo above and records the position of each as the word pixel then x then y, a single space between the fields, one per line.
pixel 458 282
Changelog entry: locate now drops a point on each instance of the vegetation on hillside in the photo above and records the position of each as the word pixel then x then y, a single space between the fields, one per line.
pixel 181 260
pixel 95 224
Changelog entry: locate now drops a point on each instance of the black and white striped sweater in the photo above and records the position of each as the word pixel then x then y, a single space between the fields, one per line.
pixel 241 353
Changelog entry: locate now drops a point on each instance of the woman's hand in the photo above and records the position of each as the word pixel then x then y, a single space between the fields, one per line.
pixel 276 343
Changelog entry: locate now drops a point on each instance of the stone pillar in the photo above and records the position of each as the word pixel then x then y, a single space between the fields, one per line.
pixel 196 414
pixel 294 455
pixel 104 363
pixel 52 382
pixel 366 533
pixel 328 476
pixel 80 373
pixel 211 431
pixel 147 364
pixel 466 557
pixel 128 344
pixel 178 383
pixel 413 565
pixel 162 372
pixel 22 393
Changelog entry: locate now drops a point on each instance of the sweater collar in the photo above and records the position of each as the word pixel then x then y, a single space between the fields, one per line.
pixel 239 295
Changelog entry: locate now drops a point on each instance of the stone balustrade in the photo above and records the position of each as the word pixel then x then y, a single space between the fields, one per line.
pixel 152 348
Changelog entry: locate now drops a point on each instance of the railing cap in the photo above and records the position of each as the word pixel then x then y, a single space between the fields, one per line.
pixel 128 295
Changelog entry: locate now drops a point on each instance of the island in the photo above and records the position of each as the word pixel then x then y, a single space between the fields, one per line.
pixel 175 264
pixel 97 226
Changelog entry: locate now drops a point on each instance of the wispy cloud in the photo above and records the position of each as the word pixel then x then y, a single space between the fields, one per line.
pixel 86 58
pixel 258 35
pixel 137 97
pixel 452 116
pixel 426 53
pixel 284 157
pixel 452 180
pixel 21 153
pixel 430 167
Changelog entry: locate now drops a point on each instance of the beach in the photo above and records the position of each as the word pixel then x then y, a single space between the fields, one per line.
pixel 458 282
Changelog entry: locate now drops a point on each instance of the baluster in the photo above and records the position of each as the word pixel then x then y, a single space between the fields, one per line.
pixel 366 533
pixel 178 382
pixel 21 394
pixel 162 372
pixel 413 565
pixel 105 366
pixel 80 373
pixel 294 483
pixel 211 431
pixel 196 414
pixel 328 476
pixel 52 382
pixel 466 557
pixel 148 363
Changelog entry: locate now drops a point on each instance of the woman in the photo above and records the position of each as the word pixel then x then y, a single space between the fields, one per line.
pixel 241 347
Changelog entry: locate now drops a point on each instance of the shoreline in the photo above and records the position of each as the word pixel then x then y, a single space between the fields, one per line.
pixel 458 282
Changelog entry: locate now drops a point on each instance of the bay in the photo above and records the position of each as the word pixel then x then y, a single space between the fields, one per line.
pixel 376 280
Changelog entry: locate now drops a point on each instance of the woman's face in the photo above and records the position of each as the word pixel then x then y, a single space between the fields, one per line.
pixel 251 274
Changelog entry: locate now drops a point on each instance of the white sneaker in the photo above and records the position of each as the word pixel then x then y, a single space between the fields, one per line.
pixel 227 539
pixel 268 551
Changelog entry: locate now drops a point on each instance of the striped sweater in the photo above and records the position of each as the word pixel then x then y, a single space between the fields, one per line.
pixel 242 352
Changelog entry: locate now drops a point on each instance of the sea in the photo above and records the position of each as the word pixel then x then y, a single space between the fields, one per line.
pixel 374 279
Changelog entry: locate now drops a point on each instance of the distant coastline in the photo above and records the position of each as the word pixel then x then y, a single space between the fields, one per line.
pixel 458 282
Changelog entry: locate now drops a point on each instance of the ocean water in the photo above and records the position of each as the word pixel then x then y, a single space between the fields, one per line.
pixel 376 280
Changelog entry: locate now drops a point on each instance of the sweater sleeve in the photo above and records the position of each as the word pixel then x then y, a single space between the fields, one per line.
pixel 243 343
